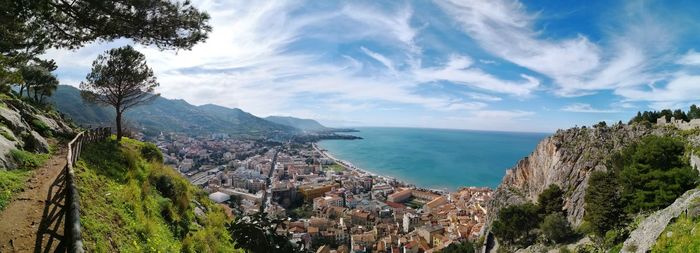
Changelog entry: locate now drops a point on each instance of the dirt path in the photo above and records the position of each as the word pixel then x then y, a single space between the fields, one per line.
pixel 33 222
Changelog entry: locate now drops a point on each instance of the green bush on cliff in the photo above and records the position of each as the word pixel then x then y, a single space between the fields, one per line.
pixel 133 204
pixel 653 173
pixel 515 223
pixel 645 176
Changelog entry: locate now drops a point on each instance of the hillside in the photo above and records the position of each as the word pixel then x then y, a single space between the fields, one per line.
pixel 170 115
pixel 131 202
pixel 308 125
pixel 569 158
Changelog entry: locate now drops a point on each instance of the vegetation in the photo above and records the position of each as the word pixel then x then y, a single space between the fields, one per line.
pixel 305 211
pixel 603 206
pixel 39 80
pixel 133 203
pixel 645 176
pixel 520 225
pixel 551 200
pixel 120 78
pixel 258 233
pixel 555 228
pixel 334 167
pixel 12 181
pixel 515 223
pixel 459 247
pixel 29 27
pixel 651 116
pixel 682 235
pixel 653 173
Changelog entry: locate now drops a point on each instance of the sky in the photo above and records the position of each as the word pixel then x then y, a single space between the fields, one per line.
pixel 533 66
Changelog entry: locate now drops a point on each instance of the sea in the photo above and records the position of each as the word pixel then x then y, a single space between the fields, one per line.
pixel 443 159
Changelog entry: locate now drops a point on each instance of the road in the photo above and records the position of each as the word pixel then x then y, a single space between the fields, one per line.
pixel 269 182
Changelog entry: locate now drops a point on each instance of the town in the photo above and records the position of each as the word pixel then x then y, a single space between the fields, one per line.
pixel 328 204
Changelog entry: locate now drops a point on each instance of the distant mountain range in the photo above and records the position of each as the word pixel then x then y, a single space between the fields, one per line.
pixel 176 115
pixel 307 125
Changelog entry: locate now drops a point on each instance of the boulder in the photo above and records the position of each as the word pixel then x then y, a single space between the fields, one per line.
pixel 36 143
pixel 6 147
pixel 55 126
pixel 13 119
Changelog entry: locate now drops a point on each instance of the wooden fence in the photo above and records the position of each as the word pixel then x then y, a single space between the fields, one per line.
pixel 72 201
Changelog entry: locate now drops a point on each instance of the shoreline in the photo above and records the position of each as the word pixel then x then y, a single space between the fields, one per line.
pixel 351 167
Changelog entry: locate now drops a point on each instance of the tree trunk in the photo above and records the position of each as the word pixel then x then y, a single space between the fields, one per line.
pixel 119 125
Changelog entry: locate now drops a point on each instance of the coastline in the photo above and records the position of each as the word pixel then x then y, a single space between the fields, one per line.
pixel 351 167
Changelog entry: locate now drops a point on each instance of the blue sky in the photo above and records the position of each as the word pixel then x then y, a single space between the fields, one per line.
pixel 486 65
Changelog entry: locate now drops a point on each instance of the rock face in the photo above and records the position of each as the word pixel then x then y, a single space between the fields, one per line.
pixel 566 158
pixel 644 237
pixel 24 127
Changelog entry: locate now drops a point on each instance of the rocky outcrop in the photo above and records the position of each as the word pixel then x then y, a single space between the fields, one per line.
pixel 695 162
pixel 644 237
pixel 23 126
pixel 13 119
pixel 566 158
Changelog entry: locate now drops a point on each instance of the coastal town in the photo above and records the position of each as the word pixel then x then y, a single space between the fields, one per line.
pixel 329 205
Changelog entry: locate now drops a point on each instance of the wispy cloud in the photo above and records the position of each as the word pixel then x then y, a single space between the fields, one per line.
pixel 464 64
pixel 586 108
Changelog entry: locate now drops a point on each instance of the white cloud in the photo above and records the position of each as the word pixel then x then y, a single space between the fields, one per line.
pixel 380 58
pixel 682 87
pixel 690 58
pixel 458 69
pixel 502 114
pixel 482 97
pixel 586 108
pixel 576 65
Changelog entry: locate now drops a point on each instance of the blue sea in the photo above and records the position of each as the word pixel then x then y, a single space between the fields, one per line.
pixel 436 158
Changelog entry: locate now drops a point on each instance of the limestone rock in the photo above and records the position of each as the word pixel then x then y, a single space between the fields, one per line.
pixel 6 147
pixel 566 159
pixel 646 234
pixel 55 126
pixel 13 119
pixel 36 143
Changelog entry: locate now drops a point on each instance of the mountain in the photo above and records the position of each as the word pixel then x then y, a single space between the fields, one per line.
pixel 308 125
pixel 169 115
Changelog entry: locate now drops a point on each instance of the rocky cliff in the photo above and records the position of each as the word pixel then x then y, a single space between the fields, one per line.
pixel 566 158
pixel 24 127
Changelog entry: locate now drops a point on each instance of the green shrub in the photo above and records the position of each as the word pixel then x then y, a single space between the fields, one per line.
pixel 555 228
pixel 150 152
pixel 7 135
pixel 41 127
pixel 551 200
pixel 604 210
pixel 459 247
pixel 653 173
pixel 28 160
pixel 514 224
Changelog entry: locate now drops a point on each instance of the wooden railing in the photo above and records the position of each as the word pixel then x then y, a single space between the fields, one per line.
pixel 72 201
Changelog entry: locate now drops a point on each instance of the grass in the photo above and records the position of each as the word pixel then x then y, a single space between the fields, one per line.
pixel 334 167
pixel 13 181
pixel 132 204
pixel 28 160
pixel 685 236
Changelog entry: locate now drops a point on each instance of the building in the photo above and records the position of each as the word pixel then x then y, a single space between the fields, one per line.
pixel 400 196
pixel 428 232
pixel 311 192
pixel 327 201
